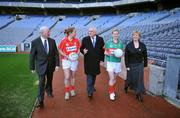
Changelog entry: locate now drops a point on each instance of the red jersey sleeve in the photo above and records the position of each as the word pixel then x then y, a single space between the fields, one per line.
pixel 61 45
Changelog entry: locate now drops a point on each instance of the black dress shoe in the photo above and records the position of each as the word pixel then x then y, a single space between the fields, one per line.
pixel 50 95
pixel 126 90
pixel 40 105
pixel 139 98
pixel 90 95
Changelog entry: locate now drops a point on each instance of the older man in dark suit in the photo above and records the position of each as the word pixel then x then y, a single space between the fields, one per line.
pixel 92 49
pixel 44 57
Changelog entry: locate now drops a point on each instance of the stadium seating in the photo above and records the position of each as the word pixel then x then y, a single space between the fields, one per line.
pixel 160 30
pixel 5 20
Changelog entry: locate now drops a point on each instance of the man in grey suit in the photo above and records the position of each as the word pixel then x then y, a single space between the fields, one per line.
pixel 44 58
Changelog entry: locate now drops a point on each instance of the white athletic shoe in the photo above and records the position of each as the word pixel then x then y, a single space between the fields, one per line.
pixel 66 97
pixel 112 96
pixel 73 93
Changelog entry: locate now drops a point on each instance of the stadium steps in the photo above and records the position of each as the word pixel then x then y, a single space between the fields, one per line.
pixel 88 22
pixel 91 20
pixel 7 24
pixel 54 24
pixel 166 16
pixel 36 29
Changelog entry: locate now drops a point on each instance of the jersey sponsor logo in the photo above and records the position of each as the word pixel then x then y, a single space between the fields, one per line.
pixel 71 48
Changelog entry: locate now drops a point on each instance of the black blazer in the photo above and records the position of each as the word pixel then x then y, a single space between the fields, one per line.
pixel 133 55
pixel 41 59
pixel 94 55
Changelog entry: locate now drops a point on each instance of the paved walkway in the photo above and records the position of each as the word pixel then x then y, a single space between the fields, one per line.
pixel 125 106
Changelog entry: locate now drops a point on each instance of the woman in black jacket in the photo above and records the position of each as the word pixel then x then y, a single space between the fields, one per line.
pixel 135 60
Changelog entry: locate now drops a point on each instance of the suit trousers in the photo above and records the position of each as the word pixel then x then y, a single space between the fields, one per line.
pixel 90 83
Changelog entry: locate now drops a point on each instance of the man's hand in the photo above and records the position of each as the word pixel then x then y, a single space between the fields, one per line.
pixel 57 68
pixel 33 71
pixel 85 50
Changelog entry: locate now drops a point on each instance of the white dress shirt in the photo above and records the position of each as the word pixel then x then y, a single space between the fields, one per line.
pixel 93 40
pixel 43 40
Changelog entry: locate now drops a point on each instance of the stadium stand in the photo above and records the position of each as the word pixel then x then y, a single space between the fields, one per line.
pixel 160 30
pixel 5 20
pixel 66 1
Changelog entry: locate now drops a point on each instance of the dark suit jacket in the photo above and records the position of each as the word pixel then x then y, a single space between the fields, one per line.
pixel 41 59
pixel 94 55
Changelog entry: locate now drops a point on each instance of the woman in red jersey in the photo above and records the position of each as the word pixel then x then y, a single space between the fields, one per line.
pixel 69 50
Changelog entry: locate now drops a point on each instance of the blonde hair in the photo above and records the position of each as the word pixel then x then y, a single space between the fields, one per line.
pixel 136 32
pixel 115 30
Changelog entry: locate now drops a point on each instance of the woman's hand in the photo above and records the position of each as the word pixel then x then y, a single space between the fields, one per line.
pixel 108 52
pixel 146 68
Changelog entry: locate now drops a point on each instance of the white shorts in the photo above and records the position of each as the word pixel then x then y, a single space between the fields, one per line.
pixel 72 65
pixel 113 67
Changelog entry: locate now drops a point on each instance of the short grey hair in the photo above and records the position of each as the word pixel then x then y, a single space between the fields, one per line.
pixel 93 27
pixel 43 28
